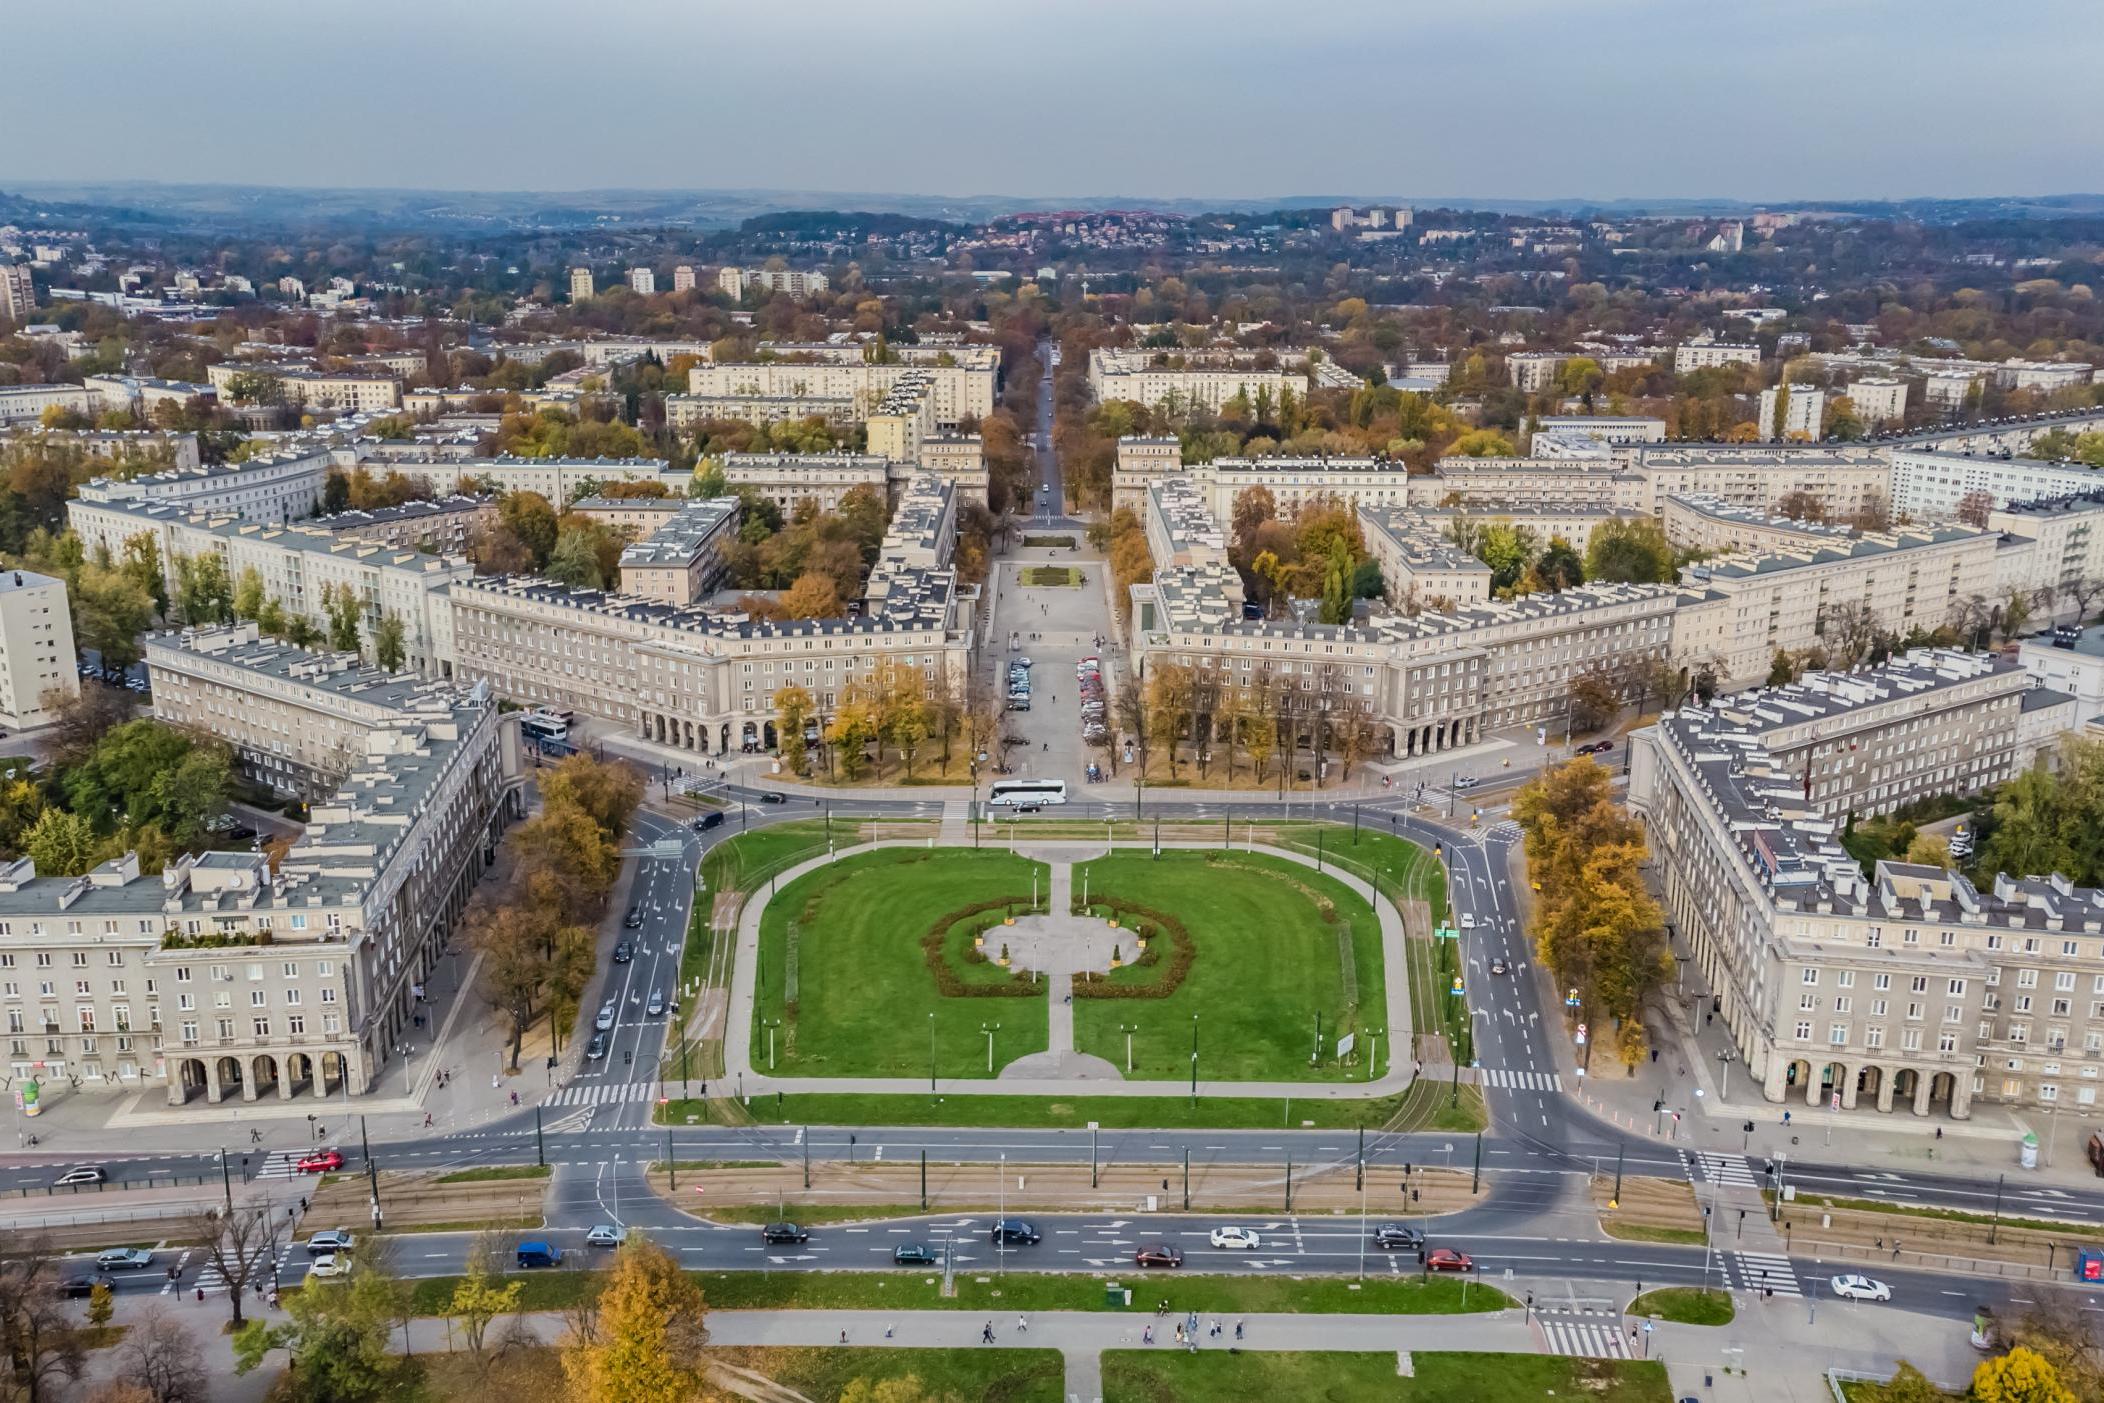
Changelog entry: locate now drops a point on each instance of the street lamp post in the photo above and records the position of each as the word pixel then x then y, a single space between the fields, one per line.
pixel 989 1029
pixel 1724 1060
pixel 1194 1059
pixel 1128 1029
pixel 931 1054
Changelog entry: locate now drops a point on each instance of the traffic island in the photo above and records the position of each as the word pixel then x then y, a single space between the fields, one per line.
pixel 1685 1305
pixel 1648 1210
pixel 508 1196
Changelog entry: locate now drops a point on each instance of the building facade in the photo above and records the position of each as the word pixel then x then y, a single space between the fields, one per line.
pixel 37 660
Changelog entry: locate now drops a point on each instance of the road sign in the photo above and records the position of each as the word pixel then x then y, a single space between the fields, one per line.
pixel 1346 1043
pixel 1570 1000
pixel 1457 985
pixel 1835 1104
pixel 1581 1035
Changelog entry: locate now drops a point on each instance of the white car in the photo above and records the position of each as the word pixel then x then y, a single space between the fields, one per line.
pixel 1861 1288
pixel 606 1235
pixel 1234 1237
pixel 1468 921
pixel 330 1265
pixel 607 1014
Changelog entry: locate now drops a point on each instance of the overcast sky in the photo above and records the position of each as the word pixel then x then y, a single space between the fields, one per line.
pixel 1758 99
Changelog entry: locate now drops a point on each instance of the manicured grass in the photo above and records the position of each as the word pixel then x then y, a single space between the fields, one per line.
pixel 1174 1376
pixel 1948 1215
pixel 1021 1291
pixel 753 856
pixel 1041 576
pixel 1643 1232
pixel 807 1214
pixel 1110 1112
pixel 1062 542
pixel 966 1375
pixel 1268 966
pixel 863 989
pixel 1686 1305
pixel 493 1172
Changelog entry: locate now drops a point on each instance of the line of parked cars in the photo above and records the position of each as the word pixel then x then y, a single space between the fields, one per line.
pixel 1019 684
pixel 1095 716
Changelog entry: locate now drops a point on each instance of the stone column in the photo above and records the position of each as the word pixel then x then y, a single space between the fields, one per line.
pixel 214 1092
pixel 1773 1086
pixel 1961 1097
pixel 1885 1078
pixel 1922 1082
pixel 1848 1088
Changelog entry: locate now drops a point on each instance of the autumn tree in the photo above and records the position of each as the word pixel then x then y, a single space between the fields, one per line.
pixel 792 707
pixel 44 1348
pixel 481 1298
pixel 1595 699
pixel 647 1345
pixel 2020 1376
pixel 813 596
pixel 160 1356
pixel 1632 551
pixel 389 644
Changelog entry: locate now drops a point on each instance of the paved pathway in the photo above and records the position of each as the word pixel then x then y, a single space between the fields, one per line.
pixel 1398 1077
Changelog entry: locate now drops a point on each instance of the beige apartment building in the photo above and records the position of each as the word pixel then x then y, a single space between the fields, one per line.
pixel 1545 524
pixel 1705 355
pixel 304 387
pixel 637 517
pixel 1420 564
pixel 685 411
pixel 960 378
pixel 273 488
pixel 440 526
pixel 682 560
pixel 38 664
pixel 224 979
pixel 1715 526
pixel 1844 480
pixel 174 451
pixel 1544 483
pixel 1910 988
pixel 1196 379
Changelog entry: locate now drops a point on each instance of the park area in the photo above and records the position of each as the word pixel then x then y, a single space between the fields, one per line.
pixel 1164 1376
pixel 1278 954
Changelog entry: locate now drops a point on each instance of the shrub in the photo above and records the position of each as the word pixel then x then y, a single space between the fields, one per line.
pixel 1153 924
pixel 946 981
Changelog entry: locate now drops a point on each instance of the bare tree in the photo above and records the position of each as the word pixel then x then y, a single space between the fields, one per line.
pixel 161 1356
pixel 1847 629
pixel 37 1331
pixel 1130 707
pixel 242 1246
pixel 2084 591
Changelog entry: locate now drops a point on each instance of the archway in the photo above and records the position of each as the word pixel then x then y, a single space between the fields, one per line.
pixel 724 744
pixel 1800 1071
pixel 1904 1081
pixel 767 736
pixel 263 1073
pixel 190 1077
pixel 229 1071
pixel 749 736
pixel 1868 1080
pixel 334 1068
pixel 1942 1087
pixel 299 1072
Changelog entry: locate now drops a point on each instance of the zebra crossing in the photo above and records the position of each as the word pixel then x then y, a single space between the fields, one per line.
pixel 209 1278
pixel 1732 1171
pixel 1769 1270
pixel 1521 1081
pixel 1590 1339
pixel 602 1093
pixel 1504 828
pixel 281 1164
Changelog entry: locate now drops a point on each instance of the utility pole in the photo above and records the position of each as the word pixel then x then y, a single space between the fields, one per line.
pixel 924 1181
pixel 226 1181
pixel 671 1163
pixel 1187 1179
pixel 1092 1154
pixel 540 1145
pixel 1194 1058
pixel 1359 1176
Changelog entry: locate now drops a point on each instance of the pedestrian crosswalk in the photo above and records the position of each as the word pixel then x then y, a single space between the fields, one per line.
pixel 1767 1271
pixel 1502 830
pixel 1587 1338
pixel 1732 1171
pixel 281 1164
pixel 1521 1081
pixel 602 1093
pixel 210 1279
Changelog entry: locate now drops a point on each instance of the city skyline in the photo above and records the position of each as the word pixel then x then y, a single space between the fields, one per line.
pixel 1688 106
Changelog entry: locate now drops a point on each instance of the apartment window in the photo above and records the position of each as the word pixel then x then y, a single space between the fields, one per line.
pixel 1837 1033
pixel 1809 975
pixel 1804 1031
pixel 1957 987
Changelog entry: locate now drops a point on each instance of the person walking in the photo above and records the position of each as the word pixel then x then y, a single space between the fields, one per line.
pixel 1022 1324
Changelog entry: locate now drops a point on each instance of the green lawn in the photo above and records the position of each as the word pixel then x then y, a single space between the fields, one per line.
pixel 1173 1376
pixel 1645 1232
pixel 863 991
pixel 753 856
pixel 1267 965
pixel 1686 1305
pixel 1041 576
pixel 966 1375
pixel 490 1173
pixel 1110 1112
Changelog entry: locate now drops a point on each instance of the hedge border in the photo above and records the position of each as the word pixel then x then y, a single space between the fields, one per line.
pixel 1185 951
pixel 946 981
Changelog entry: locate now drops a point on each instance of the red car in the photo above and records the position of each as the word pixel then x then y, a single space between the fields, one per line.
pixel 322 1163
pixel 1447 1259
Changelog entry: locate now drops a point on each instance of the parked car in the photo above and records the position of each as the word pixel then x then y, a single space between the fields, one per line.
pixel 914 1254
pixel 1447 1259
pixel 329 1240
pixel 321 1162
pixel 1234 1237
pixel 1016 1232
pixel 539 1254
pixel 81 1174
pixel 606 1235
pixel 1158 1254
pixel 74 1285
pixel 124 1259
pixel 784 1233
pixel 1398 1237
pixel 1861 1288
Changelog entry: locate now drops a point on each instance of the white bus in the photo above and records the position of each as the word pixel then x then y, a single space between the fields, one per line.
pixel 1018 792
pixel 541 725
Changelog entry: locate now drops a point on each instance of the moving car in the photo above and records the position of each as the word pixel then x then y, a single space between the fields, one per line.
pixel 708 821
pixel 1466 782
pixel 1234 1237
pixel 1158 1254
pixel 124 1259
pixel 1398 1237
pixel 784 1232
pixel 656 1005
pixel 329 1240
pixel 74 1285
pixel 1468 920
pixel 1447 1259
pixel 606 1235
pixel 321 1162
pixel 914 1254
pixel 633 920
pixel 539 1254
pixel 623 952
pixel 607 1014
pixel 1016 1232
pixel 1497 967
pixel 596 1049
pixel 1861 1288
pixel 330 1264
pixel 771 797
pixel 83 1174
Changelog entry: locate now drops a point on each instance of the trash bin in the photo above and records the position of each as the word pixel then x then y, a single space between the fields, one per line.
pixel 2027 1151
pixel 1116 1296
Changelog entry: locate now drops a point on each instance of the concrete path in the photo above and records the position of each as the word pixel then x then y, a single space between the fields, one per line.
pixel 1397 1078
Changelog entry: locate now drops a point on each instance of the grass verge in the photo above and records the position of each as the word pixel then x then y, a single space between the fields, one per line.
pixel 1686 1305
pixel 966 1375
pixel 1644 1232
pixel 1173 1376
pixel 1110 1112
pixel 492 1172
pixel 1948 1215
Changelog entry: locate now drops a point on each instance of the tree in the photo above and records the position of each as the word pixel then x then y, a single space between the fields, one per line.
pixel 1631 551
pixel 1595 699
pixel 529 517
pixel 1558 567
pixel 160 1356
pixel 102 1304
pixel 109 614
pixel 1909 1385
pixel 1974 506
pixel 1507 549
pixel 42 1344
pixel 2020 1376
pixel 1482 443
pixel 249 595
pixel 1169 695
pixel 203 592
pixel 61 844
pixel 649 1336
pixel 813 596
pixel 2016 614
pixel 142 566
pixel 1928 850
pixel 481 1297
pixel 575 561
pixel 389 646
pixel 336 1338
pixel 1253 506
pixel 1802 504
pixel 2057 1329
pixel 240 1244
pixel 255 387
pixel 792 707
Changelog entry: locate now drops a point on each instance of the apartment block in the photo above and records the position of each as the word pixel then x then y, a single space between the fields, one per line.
pixel 1910 987
pixel 1803 413
pixel 1844 480
pixel 1711 524
pixel 1878 399
pixel 18 293
pixel 440 526
pixel 37 659
pixel 270 488
pixel 1932 485
pixel 581 285
pixel 642 282
pixel 682 560
pixel 1545 483
pixel 734 283
pixel 1420 564
pixel 26 404
pixel 1196 379
pixel 1705 355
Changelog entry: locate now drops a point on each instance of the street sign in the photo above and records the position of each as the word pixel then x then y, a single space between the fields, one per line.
pixel 1346 1043
pixel 1835 1104
pixel 1581 1035
pixel 1570 1000
pixel 1457 985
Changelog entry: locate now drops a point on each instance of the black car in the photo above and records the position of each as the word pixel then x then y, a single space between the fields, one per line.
pixel 771 797
pixel 623 953
pixel 1398 1237
pixel 634 919
pixel 1016 1231
pixel 914 1254
pixel 77 1284
pixel 784 1232
pixel 708 821
pixel 597 1049
pixel 1158 1254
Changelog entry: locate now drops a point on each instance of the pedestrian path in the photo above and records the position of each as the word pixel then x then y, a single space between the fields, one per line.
pixel 281 1164
pixel 210 1279
pixel 602 1093
pixel 1520 1081
pixel 956 830
pixel 1767 1271
pixel 1732 1171
pixel 1593 1339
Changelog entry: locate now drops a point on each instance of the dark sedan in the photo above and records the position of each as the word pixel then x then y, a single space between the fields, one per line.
pixel 1158 1254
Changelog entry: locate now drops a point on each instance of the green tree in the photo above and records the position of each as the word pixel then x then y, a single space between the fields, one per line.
pixel 336 1338
pixel 342 608
pixel 142 566
pixel 1507 549
pixel 1633 552
pixel 249 596
pixel 709 479
pixel 480 1298
pixel 1482 443
pixel 389 646
pixel 792 707
pixel 530 518
pixel 61 844
pixel 1558 567
pixel 575 561
pixel 109 614
pixel 203 593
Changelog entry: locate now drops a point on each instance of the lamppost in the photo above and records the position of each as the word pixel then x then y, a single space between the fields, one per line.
pixel 1724 1060
pixel 931 1054
pixel 1128 1029
pixel 989 1029
pixel 772 1024
pixel 1194 1059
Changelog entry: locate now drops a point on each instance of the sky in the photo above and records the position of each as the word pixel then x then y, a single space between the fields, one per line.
pixel 1509 99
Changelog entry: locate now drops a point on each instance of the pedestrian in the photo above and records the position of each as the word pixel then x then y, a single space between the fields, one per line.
pixel 1147 1334
pixel 1215 1331
pixel 1179 1332
pixel 427 1120
pixel 1654 1054
pixel 1879 1242
pixel 200 1295
pixel 1022 1325
pixel 303 1204
pixel 843 1337
pixel 1895 1249
pixel 1238 1329
pixel 986 1335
